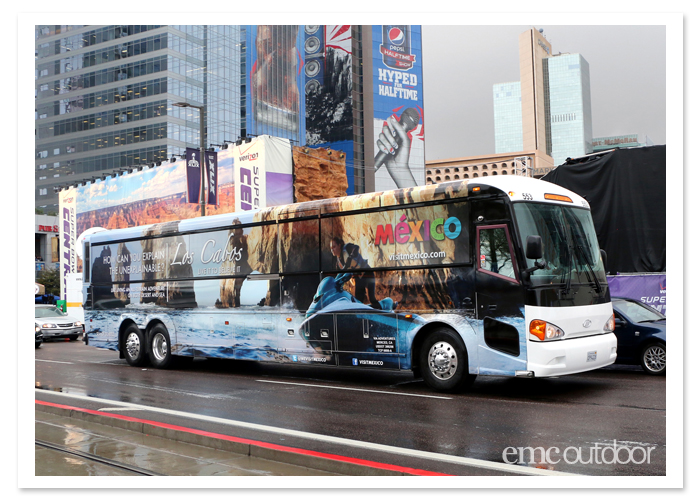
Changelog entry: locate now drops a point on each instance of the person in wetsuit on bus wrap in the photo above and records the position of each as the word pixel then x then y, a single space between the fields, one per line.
pixel 347 256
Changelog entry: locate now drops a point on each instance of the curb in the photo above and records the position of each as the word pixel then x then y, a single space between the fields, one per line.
pixel 268 451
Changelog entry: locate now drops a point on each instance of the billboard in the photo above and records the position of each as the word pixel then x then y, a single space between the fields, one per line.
pixel 274 78
pixel 328 90
pixel 155 195
pixel 397 74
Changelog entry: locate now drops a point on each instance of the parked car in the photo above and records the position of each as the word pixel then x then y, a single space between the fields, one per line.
pixel 38 336
pixel 641 335
pixel 55 324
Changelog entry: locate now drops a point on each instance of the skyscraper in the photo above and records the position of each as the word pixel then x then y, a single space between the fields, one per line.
pixel 554 103
pixel 104 97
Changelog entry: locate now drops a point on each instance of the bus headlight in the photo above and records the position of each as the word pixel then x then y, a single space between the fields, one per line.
pixel 541 330
pixel 610 324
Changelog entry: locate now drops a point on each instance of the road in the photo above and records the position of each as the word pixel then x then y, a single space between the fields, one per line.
pixel 388 416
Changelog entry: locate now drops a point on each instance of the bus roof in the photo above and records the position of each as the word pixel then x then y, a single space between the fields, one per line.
pixel 516 187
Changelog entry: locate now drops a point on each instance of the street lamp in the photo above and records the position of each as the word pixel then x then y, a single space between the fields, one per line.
pixel 202 152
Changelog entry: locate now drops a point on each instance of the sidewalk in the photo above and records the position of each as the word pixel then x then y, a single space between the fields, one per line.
pixel 151 453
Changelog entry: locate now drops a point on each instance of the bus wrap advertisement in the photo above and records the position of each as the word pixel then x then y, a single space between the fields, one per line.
pixel 344 290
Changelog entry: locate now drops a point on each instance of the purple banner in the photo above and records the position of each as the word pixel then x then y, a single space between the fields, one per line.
pixel 194 175
pixel 212 166
pixel 647 288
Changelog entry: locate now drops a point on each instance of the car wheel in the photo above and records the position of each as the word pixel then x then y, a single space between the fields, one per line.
pixel 135 347
pixel 443 362
pixel 654 359
pixel 160 347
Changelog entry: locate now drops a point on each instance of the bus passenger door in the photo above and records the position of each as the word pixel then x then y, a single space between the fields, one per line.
pixel 499 303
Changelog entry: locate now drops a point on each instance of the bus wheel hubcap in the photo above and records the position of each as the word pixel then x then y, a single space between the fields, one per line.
pixel 160 346
pixel 133 345
pixel 442 360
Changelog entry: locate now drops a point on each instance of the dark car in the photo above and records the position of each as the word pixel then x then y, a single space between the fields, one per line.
pixel 38 336
pixel 641 335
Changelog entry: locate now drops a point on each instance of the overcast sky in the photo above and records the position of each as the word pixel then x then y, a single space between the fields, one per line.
pixel 461 64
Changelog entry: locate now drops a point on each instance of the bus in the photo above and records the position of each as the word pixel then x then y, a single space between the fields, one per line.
pixel 497 276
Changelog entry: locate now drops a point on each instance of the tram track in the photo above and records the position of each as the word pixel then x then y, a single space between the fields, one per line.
pixel 96 458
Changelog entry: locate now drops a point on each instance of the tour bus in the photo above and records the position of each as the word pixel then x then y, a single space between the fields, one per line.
pixel 492 276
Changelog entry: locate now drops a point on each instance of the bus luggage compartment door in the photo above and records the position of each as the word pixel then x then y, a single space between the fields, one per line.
pixel 314 343
pixel 368 339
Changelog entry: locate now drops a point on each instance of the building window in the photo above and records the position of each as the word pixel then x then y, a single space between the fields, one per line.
pixel 505 172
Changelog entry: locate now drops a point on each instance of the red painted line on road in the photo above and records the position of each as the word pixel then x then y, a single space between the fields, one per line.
pixel 262 444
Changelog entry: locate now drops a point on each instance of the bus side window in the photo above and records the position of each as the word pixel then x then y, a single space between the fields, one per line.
pixel 86 263
pixel 494 252
pixel 299 246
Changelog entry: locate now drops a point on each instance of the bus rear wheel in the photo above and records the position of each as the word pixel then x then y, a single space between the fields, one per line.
pixel 443 362
pixel 135 348
pixel 160 347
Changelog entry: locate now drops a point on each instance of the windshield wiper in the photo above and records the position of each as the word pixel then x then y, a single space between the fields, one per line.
pixel 581 252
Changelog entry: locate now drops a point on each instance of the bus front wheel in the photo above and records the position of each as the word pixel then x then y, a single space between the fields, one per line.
pixel 160 347
pixel 444 363
pixel 135 349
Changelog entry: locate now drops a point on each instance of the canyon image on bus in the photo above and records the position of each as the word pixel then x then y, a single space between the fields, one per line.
pixel 499 276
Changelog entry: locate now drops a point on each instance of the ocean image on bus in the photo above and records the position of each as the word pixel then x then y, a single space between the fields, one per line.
pixel 496 277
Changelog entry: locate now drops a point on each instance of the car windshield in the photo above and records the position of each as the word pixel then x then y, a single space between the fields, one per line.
pixel 569 244
pixel 48 312
pixel 638 312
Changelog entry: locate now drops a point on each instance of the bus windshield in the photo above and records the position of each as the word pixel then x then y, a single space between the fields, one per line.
pixel 569 245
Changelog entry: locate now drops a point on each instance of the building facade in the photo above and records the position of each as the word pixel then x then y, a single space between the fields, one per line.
pixel 621 141
pixel 105 96
pixel 568 101
pixel 507 117
pixel 473 167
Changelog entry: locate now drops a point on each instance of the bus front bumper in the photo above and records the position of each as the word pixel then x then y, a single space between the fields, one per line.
pixel 564 357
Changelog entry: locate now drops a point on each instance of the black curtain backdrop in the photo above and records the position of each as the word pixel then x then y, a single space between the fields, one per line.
pixel 626 189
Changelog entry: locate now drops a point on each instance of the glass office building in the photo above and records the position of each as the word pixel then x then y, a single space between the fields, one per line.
pixel 507 117
pixel 104 97
pixel 568 107
pixel 552 100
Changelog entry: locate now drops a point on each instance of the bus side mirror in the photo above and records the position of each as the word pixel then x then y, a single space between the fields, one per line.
pixel 533 247
pixel 604 256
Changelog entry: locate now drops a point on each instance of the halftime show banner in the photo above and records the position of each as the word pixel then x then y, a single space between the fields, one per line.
pixel 397 74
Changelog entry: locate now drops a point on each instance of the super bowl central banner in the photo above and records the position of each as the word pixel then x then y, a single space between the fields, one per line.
pixel 263 173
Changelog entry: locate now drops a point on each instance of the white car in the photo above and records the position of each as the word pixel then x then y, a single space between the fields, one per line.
pixel 55 324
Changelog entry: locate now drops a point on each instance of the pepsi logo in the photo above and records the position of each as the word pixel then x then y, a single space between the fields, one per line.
pixel 396 36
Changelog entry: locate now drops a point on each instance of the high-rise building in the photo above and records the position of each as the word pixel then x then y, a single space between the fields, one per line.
pixel 105 97
pixel 552 99
pixel 568 107
pixel 508 117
